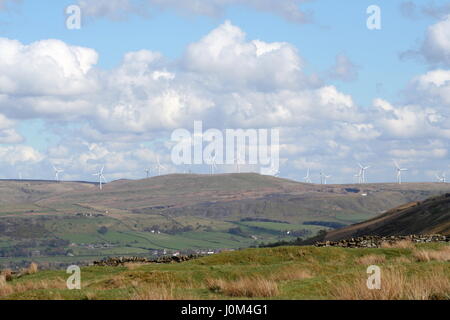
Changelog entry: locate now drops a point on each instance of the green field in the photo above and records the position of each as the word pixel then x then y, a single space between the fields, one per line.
pixel 276 273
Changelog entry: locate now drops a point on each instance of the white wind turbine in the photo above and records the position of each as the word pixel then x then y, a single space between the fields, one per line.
pixel 147 171
pixel 399 172
pixel 213 165
pixel 159 166
pixel 308 178
pixel 358 176
pixel 101 177
pixel 362 172
pixel 442 178
pixel 57 172
pixel 238 162
pixel 323 178
pixel 274 171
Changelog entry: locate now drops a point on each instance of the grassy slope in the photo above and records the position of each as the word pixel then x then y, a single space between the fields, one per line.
pixel 286 268
pixel 425 217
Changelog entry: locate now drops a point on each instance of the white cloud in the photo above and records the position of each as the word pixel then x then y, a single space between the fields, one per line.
pixel 436 47
pixel 13 155
pixel 47 67
pixel 227 60
pixel 226 80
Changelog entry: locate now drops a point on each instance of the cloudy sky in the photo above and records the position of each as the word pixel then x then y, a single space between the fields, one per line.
pixel 112 92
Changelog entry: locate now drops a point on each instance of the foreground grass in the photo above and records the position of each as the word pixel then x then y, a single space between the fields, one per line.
pixel 408 272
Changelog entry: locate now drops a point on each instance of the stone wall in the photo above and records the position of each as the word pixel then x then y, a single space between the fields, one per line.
pixel 376 241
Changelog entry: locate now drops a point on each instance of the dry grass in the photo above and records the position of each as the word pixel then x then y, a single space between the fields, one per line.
pixel 395 285
pixel 153 293
pixel 32 269
pixel 430 255
pixel 2 281
pixel 291 273
pixel 402 260
pixel 133 266
pixel 244 287
pixel 7 273
pixel 7 289
pixel 402 244
pixel 371 259
pixel 159 292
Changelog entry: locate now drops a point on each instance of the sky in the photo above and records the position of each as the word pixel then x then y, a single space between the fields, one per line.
pixel 111 92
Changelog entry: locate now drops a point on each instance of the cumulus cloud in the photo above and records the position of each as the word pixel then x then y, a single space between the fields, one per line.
pixel 14 155
pixel 48 67
pixel 118 9
pixel 123 117
pixel 436 47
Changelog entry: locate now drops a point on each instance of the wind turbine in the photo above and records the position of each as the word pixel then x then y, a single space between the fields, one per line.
pixel 399 172
pixel 147 171
pixel 307 178
pixel 159 166
pixel 442 178
pixel 100 177
pixel 363 173
pixel 323 178
pixel 358 175
pixel 274 171
pixel 213 164
pixel 238 162
pixel 57 172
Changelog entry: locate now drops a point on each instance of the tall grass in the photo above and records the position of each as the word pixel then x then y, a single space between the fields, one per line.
pixel 395 285
pixel 371 259
pixel 244 287
pixel 402 244
pixel 430 255
pixel 7 289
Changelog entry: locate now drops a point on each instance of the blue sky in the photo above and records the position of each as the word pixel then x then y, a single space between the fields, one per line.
pixel 335 30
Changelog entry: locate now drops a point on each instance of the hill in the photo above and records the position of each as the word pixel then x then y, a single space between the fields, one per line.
pixel 431 216
pixel 413 271
pixel 66 222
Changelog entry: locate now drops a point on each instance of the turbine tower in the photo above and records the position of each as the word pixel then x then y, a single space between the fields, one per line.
pixel 159 166
pixel 307 178
pixel 323 178
pixel 147 171
pixel 399 172
pixel 442 178
pixel 57 172
pixel 362 173
pixel 358 175
pixel 213 165
pixel 238 162
pixel 101 177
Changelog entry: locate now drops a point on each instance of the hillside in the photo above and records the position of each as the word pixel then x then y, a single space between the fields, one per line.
pixel 410 271
pixel 60 223
pixel 431 216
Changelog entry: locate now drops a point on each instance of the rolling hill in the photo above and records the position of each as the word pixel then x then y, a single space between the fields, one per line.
pixel 431 216
pixel 74 221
